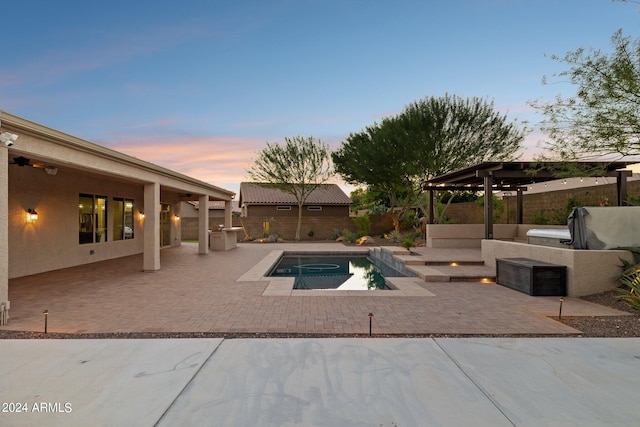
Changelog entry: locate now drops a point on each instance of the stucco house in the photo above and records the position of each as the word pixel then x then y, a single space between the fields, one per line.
pixel 65 201
pixel 258 200
pixel 190 214
pixel 267 210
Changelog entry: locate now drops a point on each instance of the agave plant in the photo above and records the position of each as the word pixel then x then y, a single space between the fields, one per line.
pixel 630 290
pixel 630 293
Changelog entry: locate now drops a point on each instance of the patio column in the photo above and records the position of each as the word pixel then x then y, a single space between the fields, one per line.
pixel 203 225
pixel 4 231
pixel 151 251
pixel 228 210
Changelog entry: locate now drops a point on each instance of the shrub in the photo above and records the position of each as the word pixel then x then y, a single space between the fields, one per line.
pixel 409 220
pixel 349 236
pixel 363 225
pixel 335 234
pixel 393 236
pixel 408 243
pixel 540 217
pixel 378 210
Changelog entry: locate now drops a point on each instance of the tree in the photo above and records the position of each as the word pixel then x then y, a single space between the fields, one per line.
pixel 298 167
pixel 428 138
pixel 603 118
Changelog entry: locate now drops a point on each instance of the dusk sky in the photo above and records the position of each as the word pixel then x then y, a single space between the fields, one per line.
pixel 200 86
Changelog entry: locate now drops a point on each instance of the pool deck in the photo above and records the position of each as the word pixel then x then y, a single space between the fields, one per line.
pixel 226 292
pixel 307 381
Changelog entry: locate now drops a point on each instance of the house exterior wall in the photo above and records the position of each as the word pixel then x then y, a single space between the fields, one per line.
pixel 75 167
pixel 272 211
pixel 4 235
pixel 51 242
pixel 323 227
pixel 189 220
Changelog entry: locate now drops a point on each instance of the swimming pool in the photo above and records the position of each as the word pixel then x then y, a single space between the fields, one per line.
pixel 346 272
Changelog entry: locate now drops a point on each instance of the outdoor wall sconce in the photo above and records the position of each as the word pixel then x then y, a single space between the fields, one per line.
pixel 32 215
pixel 176 218
pixel 141 214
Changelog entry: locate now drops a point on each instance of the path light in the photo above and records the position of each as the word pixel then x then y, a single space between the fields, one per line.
pixel 560 312
pixel 370 318
pixel 46 314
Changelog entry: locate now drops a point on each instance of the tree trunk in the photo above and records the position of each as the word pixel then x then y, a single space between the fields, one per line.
pixel 299 226
pixel 395 218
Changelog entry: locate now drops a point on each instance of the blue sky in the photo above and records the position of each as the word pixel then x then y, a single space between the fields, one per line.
pixel 200 86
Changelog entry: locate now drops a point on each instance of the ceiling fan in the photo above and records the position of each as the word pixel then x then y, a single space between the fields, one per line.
pixel 22 161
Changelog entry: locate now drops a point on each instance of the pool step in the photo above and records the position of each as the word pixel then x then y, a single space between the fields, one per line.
pixel 452 267
pixel 448 273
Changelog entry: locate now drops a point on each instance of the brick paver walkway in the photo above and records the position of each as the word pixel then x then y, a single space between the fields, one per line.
pixel 199 293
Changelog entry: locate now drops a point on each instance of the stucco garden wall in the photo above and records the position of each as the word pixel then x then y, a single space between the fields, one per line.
pixel 471 235
pixel 549 207
pixel 588 271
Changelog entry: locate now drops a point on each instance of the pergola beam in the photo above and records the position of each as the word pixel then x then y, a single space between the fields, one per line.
pixel 511 176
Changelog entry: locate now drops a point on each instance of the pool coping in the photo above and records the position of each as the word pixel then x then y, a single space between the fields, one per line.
pixel 283 286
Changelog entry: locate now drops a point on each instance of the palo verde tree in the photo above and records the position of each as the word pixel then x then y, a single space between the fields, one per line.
pixel 297 167
pixel 602 119
pixel 429 137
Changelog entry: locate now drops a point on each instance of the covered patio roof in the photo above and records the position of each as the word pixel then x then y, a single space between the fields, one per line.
pixel 516 176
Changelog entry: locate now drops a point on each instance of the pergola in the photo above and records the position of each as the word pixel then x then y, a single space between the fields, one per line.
pixel 516 176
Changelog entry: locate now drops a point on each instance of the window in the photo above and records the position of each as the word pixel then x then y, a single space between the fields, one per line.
pixel 122 219
pixel 92 219
pixel 314 208
pixel 283 208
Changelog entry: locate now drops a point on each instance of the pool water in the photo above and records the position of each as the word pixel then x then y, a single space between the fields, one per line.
pixel 334 272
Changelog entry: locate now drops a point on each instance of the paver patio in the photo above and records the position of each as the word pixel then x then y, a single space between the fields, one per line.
pixel 201 293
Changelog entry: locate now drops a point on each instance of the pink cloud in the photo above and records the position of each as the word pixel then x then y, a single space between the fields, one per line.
pixel 214 159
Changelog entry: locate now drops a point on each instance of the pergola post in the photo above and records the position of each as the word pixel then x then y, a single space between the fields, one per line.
pixel 431 207
pixel 519 206
pixel 488 206
pixel 621 186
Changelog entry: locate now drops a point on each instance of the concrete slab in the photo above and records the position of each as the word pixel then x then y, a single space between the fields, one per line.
pixel 331 382
pixel 554 382
pixel 308 382
pixel 95 382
